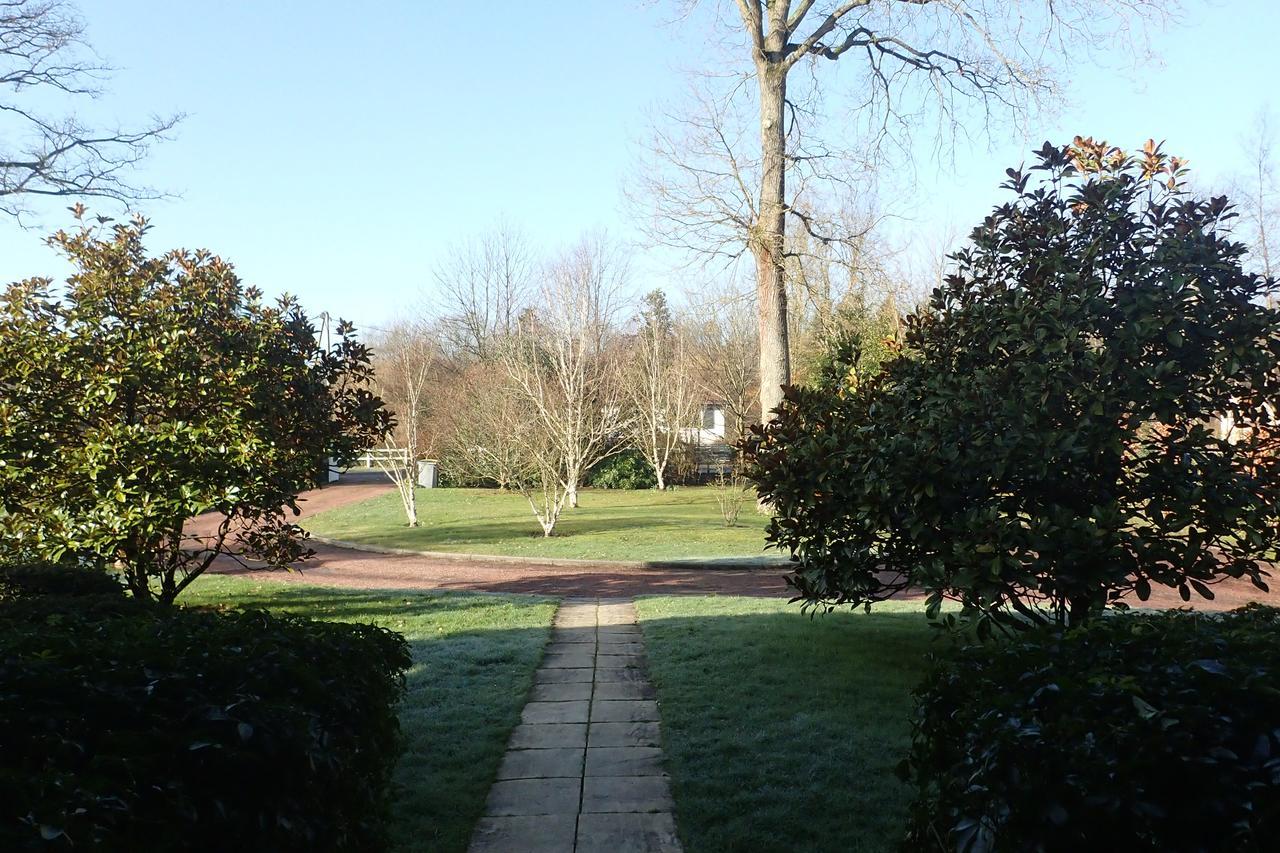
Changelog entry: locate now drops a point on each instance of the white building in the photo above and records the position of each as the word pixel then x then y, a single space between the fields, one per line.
pixel 711 452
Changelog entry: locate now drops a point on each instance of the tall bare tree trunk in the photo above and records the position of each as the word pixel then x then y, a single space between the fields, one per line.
pixel 767 243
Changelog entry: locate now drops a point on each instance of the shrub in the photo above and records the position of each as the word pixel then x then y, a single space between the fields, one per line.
pixel 136 727
pixel 1135 733
pixel 731 491
pixel 25 580
pixel 1042 447
pixel 626 470
pixel 150 390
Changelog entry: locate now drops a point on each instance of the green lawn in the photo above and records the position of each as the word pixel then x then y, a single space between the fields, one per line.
pixel 782 732
pixel 474 657
pixel 682 523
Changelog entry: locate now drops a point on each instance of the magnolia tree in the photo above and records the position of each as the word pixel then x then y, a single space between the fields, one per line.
pixel 149 391
pixel 1042 448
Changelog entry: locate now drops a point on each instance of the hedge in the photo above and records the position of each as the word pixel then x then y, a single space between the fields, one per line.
pixel 1152 732
pixel 23 580
pixel 626 470
pixel 126 726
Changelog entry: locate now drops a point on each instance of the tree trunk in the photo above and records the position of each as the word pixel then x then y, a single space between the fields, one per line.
pixel 768 240
pixel 413 497
pixel 572 489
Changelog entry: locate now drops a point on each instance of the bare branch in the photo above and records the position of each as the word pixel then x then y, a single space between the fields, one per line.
pixel 42 46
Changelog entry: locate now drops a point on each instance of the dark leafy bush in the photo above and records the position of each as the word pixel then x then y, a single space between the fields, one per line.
pixel 1134 733
pixel 626 470
pixel 1044 444
pixel 33 579
pixel 134 727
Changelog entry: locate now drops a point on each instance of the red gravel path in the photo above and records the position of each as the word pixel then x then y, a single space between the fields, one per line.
pixel 333 566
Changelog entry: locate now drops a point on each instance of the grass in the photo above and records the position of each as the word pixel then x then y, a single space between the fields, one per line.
pixel 682 523
pixel 782 732
pixel 474 657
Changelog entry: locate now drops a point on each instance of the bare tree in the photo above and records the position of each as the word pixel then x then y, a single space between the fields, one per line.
pixel 660 392
pixel 1257 194
pixel 484 443
pixel 43 48
pixel 485 285
pixel 559 361
pixel 720 330
pixel 541 478
pixel 407 360
pixel 723 193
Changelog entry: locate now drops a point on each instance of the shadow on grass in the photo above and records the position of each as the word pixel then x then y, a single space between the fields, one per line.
pixel 473 663
pixel 782 732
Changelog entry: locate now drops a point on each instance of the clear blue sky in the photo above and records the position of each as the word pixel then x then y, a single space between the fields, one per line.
pixel 335 151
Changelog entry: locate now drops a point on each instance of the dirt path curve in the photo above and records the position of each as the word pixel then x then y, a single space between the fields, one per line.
pixel 334 566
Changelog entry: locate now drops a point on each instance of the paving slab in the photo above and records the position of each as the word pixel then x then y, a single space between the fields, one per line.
pixel 626 794
pixel 573 636
pixel 624 734
pixel 624 711
pixel 528 834
pixel 613 647
pixel 548 736
pixel 583 772
pixel 624 690
pixel 608 674
pixel 624 761
pixel 617 633
pixel 556 712
pixel 609 661
pixel 585 658
pixel 567 692
pixel 562 676
pixel 585 623
pixel 627 833
pixel 534 797
pixel 541 764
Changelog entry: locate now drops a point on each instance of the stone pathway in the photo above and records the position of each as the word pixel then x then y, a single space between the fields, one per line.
pixel 583 771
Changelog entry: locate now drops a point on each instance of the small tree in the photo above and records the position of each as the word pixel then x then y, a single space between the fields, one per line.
pixel 659 387
pixel 1042 447
pixel 407 358
pixel 731 491
pixel 151 390
pixel 486 423
pixel 541 479
pixel 560 365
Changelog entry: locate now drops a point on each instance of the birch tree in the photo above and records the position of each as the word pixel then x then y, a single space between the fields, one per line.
pixel 560 362
pixel 915 63
pixel 660 392
pixel 541 479
pixel 407 359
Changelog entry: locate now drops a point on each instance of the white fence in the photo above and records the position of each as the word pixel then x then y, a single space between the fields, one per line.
pixel 384 456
